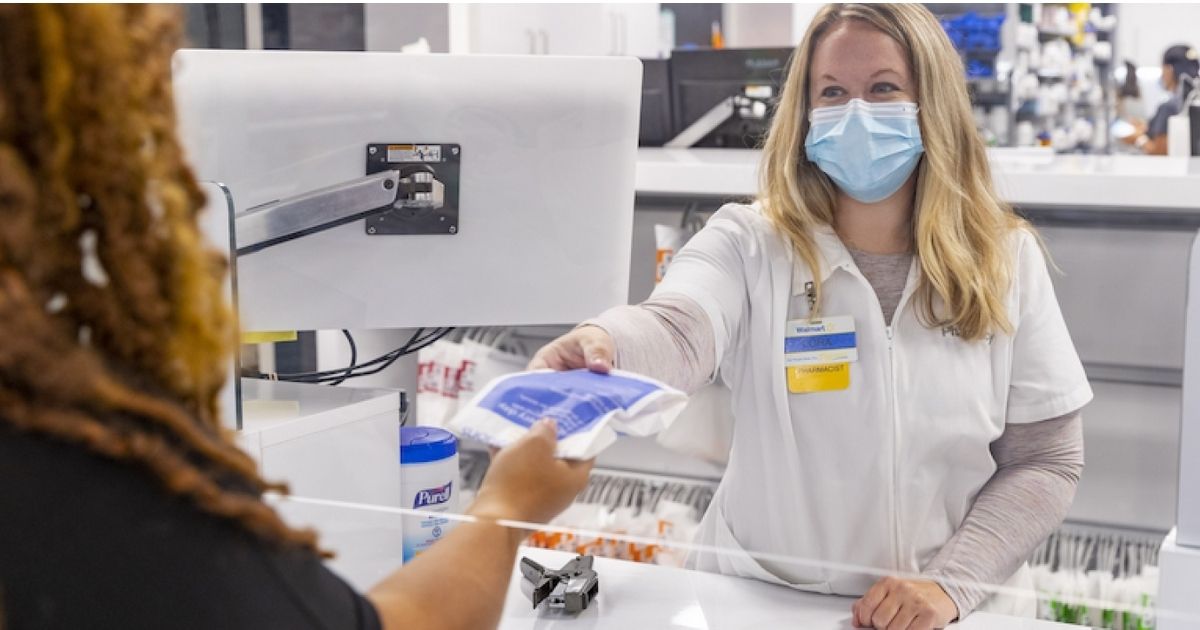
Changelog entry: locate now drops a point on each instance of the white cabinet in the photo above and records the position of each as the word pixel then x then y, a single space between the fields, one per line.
pixel 636 29
pixel 538 29
pixel 574 29
pixel 564 29
pixel 505 29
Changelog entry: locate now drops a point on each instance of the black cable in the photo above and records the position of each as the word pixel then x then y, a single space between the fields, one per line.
pixel 338 371
pixel 353 357
pixel 431 339
pixel 387 359
pixel 415 343
pixel 292 376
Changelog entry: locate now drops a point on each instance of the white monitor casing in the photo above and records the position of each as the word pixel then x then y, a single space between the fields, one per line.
pixel 549 148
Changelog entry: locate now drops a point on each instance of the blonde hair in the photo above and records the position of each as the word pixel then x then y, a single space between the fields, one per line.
pixel 961 228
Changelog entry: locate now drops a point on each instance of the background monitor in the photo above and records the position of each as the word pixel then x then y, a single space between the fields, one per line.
pixel 655 129
pixel 700 79
pixel 545 181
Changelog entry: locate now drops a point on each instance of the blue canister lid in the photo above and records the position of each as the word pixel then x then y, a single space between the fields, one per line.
pixel 419 445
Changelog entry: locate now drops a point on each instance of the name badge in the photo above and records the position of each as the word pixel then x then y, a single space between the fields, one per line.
pixel 817 354
pixel 818 377
pixel 825 340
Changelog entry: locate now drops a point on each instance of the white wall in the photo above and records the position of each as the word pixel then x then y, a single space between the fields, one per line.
pixel 1144 31
pixel 391 26
pixel 757 25
pixel 460 28
pixel 802 15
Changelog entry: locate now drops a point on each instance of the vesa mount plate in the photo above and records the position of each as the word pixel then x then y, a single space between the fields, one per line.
pixel 429 180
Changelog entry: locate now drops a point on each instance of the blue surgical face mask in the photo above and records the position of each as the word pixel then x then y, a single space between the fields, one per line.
pixel 868 149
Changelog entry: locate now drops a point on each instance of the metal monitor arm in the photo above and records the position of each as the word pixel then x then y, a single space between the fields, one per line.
pixel 284 220
pixel 737 105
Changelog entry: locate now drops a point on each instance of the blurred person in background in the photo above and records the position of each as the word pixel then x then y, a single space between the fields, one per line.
pixel 1180 69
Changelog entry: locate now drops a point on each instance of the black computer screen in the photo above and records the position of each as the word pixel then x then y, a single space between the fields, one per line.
pixel 655 128
pixel 701 79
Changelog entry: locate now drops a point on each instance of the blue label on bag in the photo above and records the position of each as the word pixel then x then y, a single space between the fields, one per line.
pixel 577 399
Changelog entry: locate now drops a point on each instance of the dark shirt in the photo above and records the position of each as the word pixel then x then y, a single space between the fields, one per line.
pixel 87 542
pixel 1158 124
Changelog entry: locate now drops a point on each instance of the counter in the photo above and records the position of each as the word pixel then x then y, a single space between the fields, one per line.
pixel 1023 177
pixel 632 595
pixel 647 596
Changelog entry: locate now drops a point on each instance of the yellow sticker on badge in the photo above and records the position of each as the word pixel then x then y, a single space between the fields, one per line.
pixel 824 377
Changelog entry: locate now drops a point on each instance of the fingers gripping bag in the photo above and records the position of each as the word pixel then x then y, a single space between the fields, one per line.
pixel 591 409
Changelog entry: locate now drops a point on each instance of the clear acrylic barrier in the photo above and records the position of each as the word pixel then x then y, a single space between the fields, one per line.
pixel 650 590
pixel 216 224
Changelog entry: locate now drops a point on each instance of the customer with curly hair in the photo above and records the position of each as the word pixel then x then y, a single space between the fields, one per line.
pixel 123 503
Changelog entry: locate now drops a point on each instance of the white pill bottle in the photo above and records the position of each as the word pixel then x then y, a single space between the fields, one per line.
pixel 429 481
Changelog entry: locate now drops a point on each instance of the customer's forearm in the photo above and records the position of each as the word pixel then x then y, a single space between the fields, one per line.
pixel 1039 465
pixel 667 337
pixel 435 590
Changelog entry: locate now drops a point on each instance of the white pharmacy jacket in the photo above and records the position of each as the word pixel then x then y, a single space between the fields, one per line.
pixel 881 474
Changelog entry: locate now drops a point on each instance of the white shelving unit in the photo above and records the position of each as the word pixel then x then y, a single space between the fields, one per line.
pixel 1062 77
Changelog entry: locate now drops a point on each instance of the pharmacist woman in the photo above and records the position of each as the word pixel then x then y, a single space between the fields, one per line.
pixel 905 392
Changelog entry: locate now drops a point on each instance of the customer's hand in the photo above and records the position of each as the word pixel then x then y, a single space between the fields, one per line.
pixel 526 482
pixel 895 604
pixel 585 347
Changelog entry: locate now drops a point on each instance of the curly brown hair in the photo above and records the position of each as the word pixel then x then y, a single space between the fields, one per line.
pixel 115 333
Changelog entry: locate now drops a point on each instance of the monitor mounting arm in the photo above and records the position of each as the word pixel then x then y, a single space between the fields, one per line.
pixel 738 105
pixel 283 220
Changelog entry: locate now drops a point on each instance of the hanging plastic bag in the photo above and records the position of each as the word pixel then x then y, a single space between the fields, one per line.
pixel 483 361
pixel 591 409
pixel 437 382
pixel 429 383
pixel 452 371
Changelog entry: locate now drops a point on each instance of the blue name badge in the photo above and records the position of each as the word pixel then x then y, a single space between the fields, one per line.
pixel 825 340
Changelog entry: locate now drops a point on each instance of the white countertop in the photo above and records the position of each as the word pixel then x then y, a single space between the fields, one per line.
pixel 632 595
pixel 647 596
pixel 1023 177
